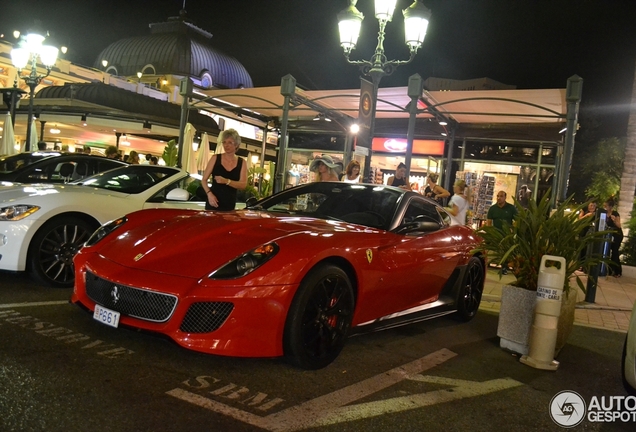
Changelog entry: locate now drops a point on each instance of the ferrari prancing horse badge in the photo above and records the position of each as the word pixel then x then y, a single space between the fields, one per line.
pixel 369 255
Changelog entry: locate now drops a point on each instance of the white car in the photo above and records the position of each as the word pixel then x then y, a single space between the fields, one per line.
pixel 42 226
pixel 629 356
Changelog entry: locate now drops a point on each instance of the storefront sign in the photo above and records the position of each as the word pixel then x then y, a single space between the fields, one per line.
pixel 398 145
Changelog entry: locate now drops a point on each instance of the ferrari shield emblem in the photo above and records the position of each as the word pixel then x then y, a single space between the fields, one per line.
pixel 369 255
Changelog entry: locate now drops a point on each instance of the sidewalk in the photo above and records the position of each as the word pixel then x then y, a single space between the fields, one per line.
pixel 611 309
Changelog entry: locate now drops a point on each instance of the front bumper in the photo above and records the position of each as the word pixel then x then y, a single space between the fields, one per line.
pixel 228 318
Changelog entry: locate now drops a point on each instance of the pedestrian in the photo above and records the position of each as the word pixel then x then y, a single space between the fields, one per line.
pixel 399 179
pixel 499 213
pixel 153 160
pixel 133 158
pixel 111 152
pixel 41 145
pixel 613 223
pixel 352 173
pixel 147 159
pixel 459 203
pixel 524 195
pixel 324 168
pixel 433 190
pixel 590 214
pixel 229 174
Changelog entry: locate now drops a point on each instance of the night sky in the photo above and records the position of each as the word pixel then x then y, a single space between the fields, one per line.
pixel 527 43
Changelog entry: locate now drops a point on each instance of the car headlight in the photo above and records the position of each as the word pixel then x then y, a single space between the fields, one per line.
pixel 246 263
pixel 17 212
pixel 104 230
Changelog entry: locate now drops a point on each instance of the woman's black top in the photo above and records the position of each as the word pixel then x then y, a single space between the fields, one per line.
pixel 398 182
pixel 611 226
pixel 225 195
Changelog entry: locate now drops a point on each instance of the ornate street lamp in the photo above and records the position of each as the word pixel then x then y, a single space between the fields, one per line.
pixel 30 48
pixel 416 19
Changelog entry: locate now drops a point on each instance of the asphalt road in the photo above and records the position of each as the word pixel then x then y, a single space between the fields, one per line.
pixel 62 371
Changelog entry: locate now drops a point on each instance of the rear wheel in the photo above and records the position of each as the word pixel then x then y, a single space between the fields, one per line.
pixel 53 248
pixel 319 318
pixel 471 290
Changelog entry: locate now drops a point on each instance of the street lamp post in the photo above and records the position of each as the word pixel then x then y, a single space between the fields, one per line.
pixel 29 49
pixel 416 19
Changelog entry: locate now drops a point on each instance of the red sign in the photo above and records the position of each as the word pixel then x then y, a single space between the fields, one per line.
pixel 398 145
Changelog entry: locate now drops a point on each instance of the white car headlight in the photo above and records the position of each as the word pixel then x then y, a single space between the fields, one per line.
pixel 17 212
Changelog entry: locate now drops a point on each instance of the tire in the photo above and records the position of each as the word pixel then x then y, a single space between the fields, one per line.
pixel 470 290
pixel 53 248
pixel 319 318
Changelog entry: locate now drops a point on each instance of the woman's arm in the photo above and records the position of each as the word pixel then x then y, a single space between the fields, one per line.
pixel 440 192
pixel 390 180
pixel 204 182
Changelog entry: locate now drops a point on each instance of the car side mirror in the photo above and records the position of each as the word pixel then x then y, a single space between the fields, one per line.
pixel 178 195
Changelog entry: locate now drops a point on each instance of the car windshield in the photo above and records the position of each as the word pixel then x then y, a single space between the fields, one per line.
pixel 9 164
pixel 132 179
pixel 369 205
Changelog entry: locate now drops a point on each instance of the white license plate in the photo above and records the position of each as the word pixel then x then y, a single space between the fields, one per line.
pixel 106 316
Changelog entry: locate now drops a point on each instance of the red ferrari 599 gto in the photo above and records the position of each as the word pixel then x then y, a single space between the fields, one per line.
pixel 294 274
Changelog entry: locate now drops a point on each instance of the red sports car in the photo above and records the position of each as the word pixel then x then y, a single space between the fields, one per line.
pixel 293 274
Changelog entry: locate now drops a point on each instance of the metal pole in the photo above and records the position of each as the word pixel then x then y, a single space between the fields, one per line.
pixel 449 158
pixel 263 150
pixel 414 91
pixel 185 88
pixel 573 98
pixel 42 124
pixel 287 89
pixel 27 146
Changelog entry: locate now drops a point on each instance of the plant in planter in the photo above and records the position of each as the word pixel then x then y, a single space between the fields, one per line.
pixel 538 231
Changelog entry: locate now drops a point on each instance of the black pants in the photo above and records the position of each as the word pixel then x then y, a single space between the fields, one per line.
pixel 616 268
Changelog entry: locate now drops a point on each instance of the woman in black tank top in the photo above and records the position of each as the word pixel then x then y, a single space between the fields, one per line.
pixel 229 174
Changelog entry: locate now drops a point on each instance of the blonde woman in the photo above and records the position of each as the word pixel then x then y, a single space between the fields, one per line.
pixel 324 168
pixel 459 203
pixel 228 171
pixel 433 190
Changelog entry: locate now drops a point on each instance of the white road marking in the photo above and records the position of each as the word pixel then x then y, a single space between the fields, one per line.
pixel 338 407
pixel 48 303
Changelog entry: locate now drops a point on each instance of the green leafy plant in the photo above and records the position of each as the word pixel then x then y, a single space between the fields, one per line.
pixel 170 153
pixel 538 231
pixel 253 174
pixel 628 251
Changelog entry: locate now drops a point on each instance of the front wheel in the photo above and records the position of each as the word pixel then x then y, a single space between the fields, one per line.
pixel 319 318
pixel 53 248
pixel 471 290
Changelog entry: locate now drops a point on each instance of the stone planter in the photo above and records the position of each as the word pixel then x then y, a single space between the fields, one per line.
pixel 517 314
pixel 515 318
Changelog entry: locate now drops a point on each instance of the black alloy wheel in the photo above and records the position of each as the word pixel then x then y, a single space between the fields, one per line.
pixel 471 290
pixel 319 318
pixel 53 248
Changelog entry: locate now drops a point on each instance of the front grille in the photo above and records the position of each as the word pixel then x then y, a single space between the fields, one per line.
pixel 206 317
pixel 134 302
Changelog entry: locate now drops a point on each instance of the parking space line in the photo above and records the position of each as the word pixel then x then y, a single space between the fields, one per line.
pixel 30 304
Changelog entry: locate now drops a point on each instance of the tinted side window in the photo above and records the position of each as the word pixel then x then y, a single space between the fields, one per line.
pixel 421 211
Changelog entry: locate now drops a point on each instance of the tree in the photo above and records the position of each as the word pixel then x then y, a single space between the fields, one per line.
pixel 604 168
pixel 628 178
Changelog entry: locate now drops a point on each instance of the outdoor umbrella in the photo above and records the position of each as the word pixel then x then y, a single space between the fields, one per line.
pixel 7 144
pixel 188 162
pixel 34 137
pixel 203 154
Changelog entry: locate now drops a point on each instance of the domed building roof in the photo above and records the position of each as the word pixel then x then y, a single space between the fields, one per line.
pixel 175 47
